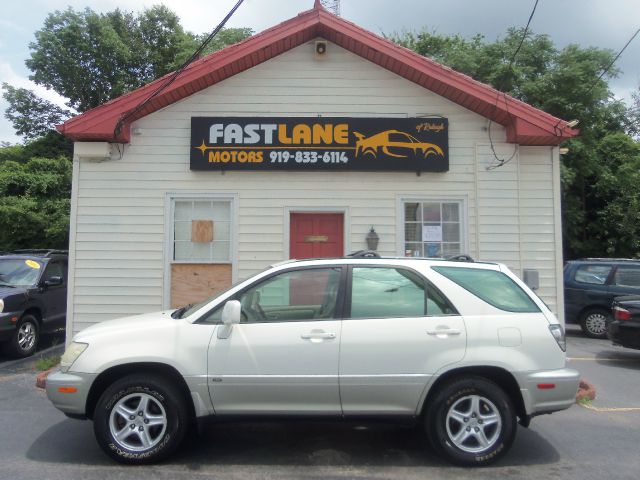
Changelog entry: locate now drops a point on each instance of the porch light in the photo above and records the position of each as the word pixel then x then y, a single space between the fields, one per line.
pixel 372 239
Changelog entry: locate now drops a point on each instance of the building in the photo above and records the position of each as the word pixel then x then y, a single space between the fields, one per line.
pixel 297 142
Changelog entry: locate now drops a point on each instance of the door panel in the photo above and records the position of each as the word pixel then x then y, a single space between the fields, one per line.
pixel 399 333
pixel 283 356
pixel 316 235
pixel 271 368
pixel 385 363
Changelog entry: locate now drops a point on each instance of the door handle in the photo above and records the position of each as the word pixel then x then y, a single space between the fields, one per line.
pixel 444 331
pixel 318 336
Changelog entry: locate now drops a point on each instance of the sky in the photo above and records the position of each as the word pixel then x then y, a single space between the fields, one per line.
pixel 598 23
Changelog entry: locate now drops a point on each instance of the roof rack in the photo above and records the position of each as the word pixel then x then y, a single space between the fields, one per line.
pixel 43 252
pixel 364 254
pixel 597 259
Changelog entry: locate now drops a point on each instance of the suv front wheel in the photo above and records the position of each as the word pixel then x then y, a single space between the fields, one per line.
pixel 25 338
pixel 471 421
pixel 140 419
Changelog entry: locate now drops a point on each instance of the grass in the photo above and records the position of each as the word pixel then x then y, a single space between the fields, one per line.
pixel 46 363
pixel 584 401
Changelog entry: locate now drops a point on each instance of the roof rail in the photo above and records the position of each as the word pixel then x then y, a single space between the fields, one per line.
pixel 44 252
pixel 461 257
pixel 364 254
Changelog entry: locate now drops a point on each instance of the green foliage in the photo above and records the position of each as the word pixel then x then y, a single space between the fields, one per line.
pixel 31 116
pixel 46 363
pixel 91 58
pixel 600 203
pixel 225 37
pixel 50 145
pixel 34 206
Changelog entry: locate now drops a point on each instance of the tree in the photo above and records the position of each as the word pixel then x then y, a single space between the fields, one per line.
pixel 566 84
pixel 31 116
pixel 34 211
pixel 91 58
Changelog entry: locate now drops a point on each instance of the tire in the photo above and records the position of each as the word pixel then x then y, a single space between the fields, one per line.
pixel 148 412
pixel 457 421
pixel 25 338
pixel 594 322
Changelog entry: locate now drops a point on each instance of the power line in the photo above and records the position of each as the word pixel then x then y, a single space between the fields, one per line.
pixel 176 74
pixel 502 161
pixel 613 61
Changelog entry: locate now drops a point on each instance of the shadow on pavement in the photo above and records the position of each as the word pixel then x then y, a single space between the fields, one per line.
pixel 299 443
pixel 620 357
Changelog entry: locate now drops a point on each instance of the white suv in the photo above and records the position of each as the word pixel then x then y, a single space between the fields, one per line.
pixel 464 348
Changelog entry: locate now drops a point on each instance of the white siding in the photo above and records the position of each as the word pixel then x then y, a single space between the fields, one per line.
pixel 119 239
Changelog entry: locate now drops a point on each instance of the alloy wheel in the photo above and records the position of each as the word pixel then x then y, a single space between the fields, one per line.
pixel 473 423
pixel 138 422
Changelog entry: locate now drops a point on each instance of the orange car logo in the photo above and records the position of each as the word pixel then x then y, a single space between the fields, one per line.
pixel 395 144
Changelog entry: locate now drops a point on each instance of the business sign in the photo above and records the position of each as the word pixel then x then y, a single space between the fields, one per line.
pixel 319 143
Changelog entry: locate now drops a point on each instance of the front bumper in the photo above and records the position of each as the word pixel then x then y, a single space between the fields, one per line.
pixel 60 390
pixel 548 391
pixel 8 325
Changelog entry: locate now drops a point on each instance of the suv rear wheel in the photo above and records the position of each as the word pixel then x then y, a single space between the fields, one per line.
pixel 471 421
pixel 140 419
pixel 594 322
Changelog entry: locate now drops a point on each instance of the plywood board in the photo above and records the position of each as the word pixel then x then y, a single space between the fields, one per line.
pixel 192 282
pixel 202 231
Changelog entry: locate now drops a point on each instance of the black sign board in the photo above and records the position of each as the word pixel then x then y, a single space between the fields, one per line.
pixel 319 143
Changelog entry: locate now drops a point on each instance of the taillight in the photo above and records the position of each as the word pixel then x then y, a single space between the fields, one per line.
pixel 620 313
pixel 558 333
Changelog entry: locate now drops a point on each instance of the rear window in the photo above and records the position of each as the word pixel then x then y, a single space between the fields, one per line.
pixel 493 287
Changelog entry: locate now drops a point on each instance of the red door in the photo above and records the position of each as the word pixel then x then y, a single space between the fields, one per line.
pixel 316 235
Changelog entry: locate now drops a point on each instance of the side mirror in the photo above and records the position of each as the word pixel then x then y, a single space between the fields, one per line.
pixel 53 281
pixel 230 316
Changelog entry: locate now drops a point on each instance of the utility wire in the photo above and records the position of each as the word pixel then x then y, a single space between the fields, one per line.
pixel 613 61
pixel 502 161
pixel 176 74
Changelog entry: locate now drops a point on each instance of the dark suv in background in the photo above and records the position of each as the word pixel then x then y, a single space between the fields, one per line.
pixel 33 298
pixel 590 286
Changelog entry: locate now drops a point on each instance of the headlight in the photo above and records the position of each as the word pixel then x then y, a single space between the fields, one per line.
pixel 1 305
pixel 71 354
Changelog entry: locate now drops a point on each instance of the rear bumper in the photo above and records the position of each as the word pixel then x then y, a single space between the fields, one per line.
pixel 72 402
pixel 548 391
pixel 625 333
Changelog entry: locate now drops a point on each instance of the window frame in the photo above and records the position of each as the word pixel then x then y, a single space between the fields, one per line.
pixel 401 200
pixel 426 282
pixel 340 298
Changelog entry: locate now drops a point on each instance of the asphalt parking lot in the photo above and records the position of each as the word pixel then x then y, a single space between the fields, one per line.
pixel 37 441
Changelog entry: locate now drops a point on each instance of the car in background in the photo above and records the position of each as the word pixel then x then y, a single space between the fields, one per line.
pixel 33 298
pixel 624 329
pixel 464 349
pixel 591 284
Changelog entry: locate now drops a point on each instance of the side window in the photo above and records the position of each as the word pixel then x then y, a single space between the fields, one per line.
pixel 627 277
pixel 296 295
pixel 54 269
pixel 593 274
pixel 492 286
pixel 386 292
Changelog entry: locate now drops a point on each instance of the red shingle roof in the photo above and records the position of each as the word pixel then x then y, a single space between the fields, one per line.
pixel 526 125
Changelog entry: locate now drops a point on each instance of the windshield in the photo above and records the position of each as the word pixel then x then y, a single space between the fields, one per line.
pixel 187 310
pixel 17 272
